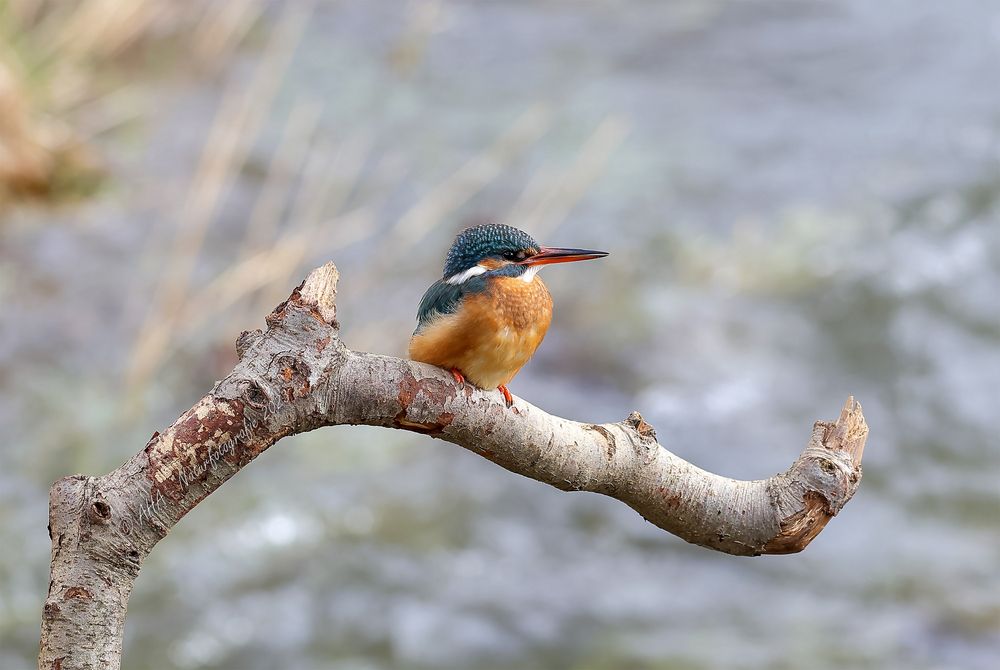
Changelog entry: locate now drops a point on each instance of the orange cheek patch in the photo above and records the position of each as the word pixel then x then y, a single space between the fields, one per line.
pixel 492 263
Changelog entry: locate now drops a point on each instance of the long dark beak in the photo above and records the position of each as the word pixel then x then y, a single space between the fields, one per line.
pixel 549 255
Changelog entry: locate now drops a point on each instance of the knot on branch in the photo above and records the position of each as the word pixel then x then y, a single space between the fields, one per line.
pixel 100 511
pixel 830 467
pixel 831 475
pixel 284 373
pixel 640 435
pixel 246 340
pixel 78 593
pixel 294 373
pixel 645 431
pixel 255 398
pixel 820 482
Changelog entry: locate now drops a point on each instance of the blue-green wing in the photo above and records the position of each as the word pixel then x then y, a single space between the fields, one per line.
pixel 443 298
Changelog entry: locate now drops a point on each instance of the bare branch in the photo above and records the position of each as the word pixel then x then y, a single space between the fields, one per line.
pixel 297 376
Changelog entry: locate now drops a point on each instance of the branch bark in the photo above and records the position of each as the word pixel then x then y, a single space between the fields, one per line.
pixel 297 376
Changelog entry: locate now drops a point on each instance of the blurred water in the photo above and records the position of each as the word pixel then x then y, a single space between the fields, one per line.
pixel 806 206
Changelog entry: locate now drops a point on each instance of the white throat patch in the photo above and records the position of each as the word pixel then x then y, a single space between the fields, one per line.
pixel 529 274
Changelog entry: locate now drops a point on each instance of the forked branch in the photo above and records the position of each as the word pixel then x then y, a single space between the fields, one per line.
pixel 297 376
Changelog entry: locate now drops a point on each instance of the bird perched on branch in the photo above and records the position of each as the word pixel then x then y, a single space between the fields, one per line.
pixel 486 316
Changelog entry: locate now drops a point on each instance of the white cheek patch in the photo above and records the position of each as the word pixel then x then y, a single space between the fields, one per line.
pixel 529 274
pixel 466 275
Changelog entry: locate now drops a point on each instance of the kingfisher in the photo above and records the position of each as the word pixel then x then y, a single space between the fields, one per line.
pixel 489 311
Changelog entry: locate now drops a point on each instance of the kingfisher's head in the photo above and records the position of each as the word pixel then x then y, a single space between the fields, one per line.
pixel 503 250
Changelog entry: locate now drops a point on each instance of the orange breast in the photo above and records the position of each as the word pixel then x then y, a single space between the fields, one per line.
pixel 492 336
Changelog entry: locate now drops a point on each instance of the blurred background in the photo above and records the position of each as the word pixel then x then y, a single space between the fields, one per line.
pixel 801 200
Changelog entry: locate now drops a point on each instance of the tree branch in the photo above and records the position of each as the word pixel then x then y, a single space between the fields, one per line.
pixel 297 376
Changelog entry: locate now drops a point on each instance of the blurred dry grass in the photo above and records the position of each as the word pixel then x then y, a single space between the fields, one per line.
pixel 304 203
pixel 239 120
pixel 38 153
pixel 65 72
pixel 58 56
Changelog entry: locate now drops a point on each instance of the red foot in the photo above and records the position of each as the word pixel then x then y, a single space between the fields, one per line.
pixel 459 377
pixel 506 395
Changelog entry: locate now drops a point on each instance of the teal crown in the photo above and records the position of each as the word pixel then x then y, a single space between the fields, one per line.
pixel 493 240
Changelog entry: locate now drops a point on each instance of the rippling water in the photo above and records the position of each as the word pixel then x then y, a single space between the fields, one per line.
pixel 801 200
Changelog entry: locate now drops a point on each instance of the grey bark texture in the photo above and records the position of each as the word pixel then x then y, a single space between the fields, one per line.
pixel 297 376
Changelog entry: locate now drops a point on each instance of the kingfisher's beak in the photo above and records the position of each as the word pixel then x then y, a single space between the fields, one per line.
pixel 549 255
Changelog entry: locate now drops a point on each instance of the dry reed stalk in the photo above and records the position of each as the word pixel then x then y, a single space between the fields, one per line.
pixel 104 28
pixel 262 270
pixel 286 161
pixel 547 202
pixel 433 209
pixel 224 28
pixel 66 43
pixel 25 13
pixel 241 116
pixel 471 177
pixel 26 163
pixel 425 17
pixel 329 192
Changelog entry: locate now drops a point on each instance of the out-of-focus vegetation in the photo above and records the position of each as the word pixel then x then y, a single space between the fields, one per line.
pixel 800 200
pixel 61 61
